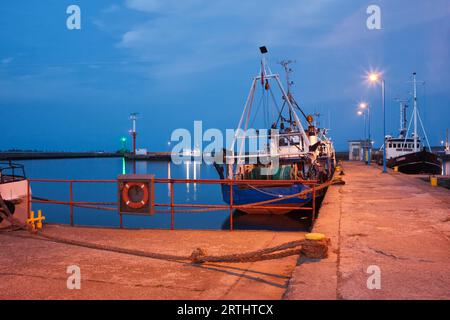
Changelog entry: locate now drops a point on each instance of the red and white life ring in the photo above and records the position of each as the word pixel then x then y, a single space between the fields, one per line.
pixel 126 195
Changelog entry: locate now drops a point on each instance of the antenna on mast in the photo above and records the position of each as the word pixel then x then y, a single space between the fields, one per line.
pixel 287 70
pixel 416 116
pixel 403 117
pixel 317 116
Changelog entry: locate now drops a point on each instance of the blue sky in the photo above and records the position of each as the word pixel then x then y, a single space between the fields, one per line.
pixel 179 61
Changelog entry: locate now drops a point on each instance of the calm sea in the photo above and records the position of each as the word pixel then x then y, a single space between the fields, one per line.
pixel 110 168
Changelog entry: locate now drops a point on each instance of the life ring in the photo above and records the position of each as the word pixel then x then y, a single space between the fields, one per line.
pixel 137 200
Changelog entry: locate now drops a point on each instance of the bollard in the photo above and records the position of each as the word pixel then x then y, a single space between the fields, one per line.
pixel 396 169
pixel 35 223
pixel 315 236
pixel 39 220
pixel 434 181
pixel 315 246
pixel 30 220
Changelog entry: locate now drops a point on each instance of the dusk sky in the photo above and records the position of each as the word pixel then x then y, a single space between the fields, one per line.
pixel 176 61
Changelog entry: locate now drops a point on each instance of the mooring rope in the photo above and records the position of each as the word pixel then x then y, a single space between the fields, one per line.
pixel 317 249
pixel 210 209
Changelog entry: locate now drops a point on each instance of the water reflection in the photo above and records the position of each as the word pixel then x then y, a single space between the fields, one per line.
pixel 445 167
pixel 110 168
pixel 192 171
pixel 294 221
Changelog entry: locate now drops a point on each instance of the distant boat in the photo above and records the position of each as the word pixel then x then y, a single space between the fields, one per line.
pixel 13 188
pixel 302 155
pixel 407 152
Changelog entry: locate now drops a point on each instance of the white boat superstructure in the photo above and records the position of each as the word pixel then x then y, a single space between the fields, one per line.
pixel 405 144
pixel 14 190
pixel 283 142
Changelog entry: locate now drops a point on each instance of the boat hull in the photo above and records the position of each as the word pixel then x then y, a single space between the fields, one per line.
pixel 422 162
pixel 243 195
pixel 15 194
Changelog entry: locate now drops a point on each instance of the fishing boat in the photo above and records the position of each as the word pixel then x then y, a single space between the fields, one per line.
pixel 289 158
pixel 13 191
pixel 408 152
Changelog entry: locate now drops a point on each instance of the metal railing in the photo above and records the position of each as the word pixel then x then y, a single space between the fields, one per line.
pixel 195 207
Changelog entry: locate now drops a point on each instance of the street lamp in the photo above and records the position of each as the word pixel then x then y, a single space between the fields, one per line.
pixel 365 106
pixel 375 78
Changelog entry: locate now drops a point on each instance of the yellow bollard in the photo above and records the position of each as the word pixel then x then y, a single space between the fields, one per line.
pixel 35 223
pixel 31 220
pixel 315 236
pixel 396 169
pixel 39 220
pixel 434 181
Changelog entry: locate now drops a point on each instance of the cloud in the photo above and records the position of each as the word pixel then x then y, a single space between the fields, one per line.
pixel 191 36
pixel 112 8
pixel 351 29
pixel 7 61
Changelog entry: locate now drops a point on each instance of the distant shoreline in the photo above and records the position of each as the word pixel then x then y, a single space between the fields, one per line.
pixel 40 155
pixel 150 156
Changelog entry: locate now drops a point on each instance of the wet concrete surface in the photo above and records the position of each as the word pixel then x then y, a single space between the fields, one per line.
pixel 392 221
pixel 36 269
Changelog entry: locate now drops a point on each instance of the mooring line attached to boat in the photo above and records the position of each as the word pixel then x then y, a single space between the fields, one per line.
pixel 304 192
pixel 206 209
pixel 264 192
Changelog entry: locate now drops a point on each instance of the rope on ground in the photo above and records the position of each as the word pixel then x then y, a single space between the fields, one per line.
pixel 316 249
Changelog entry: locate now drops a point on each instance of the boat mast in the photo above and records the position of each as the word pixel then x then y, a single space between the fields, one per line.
pixel 289 83
pixel 403 118
pixel 415 112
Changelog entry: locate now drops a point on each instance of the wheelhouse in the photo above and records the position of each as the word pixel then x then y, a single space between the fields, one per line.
pixel 11 172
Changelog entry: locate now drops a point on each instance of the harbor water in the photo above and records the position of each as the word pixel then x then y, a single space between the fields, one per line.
pixel 110 168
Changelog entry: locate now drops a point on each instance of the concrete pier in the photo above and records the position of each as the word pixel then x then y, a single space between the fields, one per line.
pixel 397 224
pixel 36 269
pixel 392 221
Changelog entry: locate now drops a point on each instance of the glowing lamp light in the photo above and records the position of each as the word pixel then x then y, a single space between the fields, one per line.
pixel 360 113
pixel 374 77
pixel 363 105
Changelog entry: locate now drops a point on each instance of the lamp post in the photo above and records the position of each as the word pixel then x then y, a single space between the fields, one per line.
pixel 375 78
pixel 366 107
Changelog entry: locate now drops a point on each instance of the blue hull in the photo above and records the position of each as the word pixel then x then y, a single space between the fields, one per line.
pixel 247 195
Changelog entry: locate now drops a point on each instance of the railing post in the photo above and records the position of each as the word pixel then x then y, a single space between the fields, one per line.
pixel 71 203
pixel 121 220
pixel 172 206
pixel 314 205
pixel 231 206
pixel 28 199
